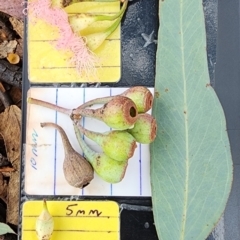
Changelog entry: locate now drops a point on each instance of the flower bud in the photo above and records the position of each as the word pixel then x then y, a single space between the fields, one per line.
pixel 141 96
pixel 119 113
pixel 44 224
pixel 81 21
pixel 145 128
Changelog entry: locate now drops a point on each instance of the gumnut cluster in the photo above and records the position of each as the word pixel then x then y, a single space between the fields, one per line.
pixel 126 114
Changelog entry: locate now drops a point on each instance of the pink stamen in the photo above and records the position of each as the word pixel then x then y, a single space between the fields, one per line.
pixel 83 59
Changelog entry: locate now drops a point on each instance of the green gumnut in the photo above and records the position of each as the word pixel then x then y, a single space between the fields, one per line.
pixel 119 113
pixel 141 96
pixel 108 169
pixel 118 145
pixel 145 128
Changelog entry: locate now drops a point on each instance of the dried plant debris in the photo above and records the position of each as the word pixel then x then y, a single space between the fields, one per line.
pixel 11 29
pixel 13 8
pixel 17 25
pixel 3 161
pixel 11 74
pixel 10 129
pixel 19 48
pixel 3 188
pixel 6 32
pixel 15 94
pixel 7 47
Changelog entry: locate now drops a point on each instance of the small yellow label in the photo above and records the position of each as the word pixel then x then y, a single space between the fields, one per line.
pixel 83 220
pixel 47 64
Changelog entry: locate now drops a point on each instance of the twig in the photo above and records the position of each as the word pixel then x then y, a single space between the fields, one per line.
pixel 131 207
pixel 7 169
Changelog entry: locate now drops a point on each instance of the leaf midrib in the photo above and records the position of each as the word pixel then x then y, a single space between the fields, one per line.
pixel 185 113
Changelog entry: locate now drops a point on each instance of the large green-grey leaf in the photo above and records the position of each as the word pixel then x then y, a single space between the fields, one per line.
pixel 191 166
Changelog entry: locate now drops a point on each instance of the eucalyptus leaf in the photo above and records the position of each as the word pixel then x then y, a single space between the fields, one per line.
pixel 191 165
pixel 4 228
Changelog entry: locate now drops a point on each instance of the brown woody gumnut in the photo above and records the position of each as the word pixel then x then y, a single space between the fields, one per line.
pixel 77 170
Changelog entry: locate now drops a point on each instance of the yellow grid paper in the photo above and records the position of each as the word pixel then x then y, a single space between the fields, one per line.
pixel 46 64
pixel 87 220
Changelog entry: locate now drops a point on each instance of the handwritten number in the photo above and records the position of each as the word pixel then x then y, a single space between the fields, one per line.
pixel 70 210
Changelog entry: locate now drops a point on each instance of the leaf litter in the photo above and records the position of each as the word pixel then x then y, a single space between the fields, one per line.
pixel 10 129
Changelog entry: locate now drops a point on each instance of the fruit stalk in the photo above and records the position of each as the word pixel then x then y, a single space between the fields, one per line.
pixel 54 107
pixel 49 105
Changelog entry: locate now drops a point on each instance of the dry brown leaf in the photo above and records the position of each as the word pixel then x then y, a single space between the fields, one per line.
pixel 16 95
pixel 17 25
pixel 12 7
pixel 19 48
pixel 7 169
pixel 6 32
pixel 13 199
pixel 7 47
pixel 10 129
pixel 3 188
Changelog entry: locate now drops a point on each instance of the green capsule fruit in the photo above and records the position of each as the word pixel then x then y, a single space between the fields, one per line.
pixel 119 113
pixel 118 145
pixel 108 169
pixel 44 224
pixel 145 128
pixel 141 96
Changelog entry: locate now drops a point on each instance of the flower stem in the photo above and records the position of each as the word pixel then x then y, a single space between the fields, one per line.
pixel 90 103
pixel 110 18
